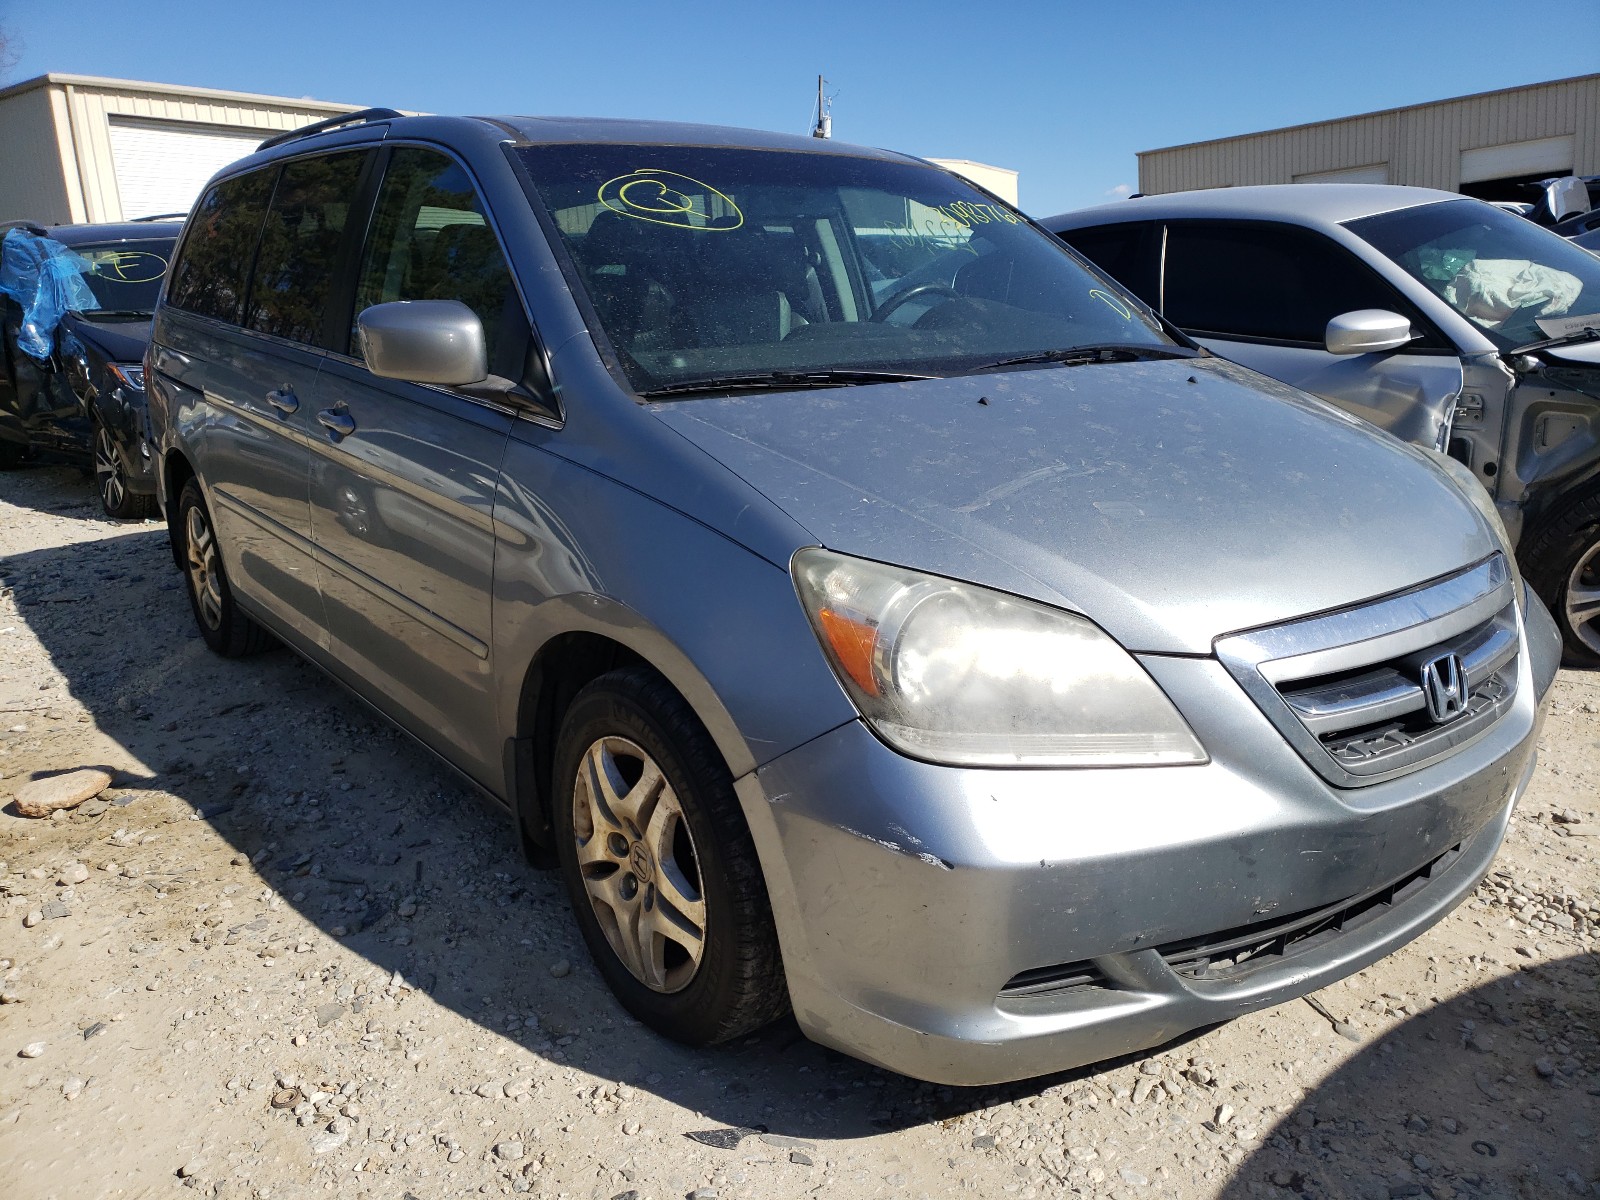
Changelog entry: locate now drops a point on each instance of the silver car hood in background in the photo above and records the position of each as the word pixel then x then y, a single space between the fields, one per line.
pixel 1169 501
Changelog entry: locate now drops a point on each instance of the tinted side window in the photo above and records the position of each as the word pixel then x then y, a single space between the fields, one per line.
pixel 1267 282
pixel 213 269
pixel 1124 252
pixel 431 240
pixel 300 245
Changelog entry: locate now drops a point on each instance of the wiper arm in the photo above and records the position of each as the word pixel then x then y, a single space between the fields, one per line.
pixel 1587 333
pixel 112 312
pixel 780 381
pixel 1073 356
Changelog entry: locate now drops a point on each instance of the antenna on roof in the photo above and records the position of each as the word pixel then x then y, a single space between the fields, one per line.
pixel 824 126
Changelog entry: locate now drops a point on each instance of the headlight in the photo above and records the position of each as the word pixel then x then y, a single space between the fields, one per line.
pixel 959 674
pixel 131 374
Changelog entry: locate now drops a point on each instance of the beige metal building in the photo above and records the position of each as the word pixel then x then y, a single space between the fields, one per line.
pixel 1483 145
pixel 1002 181
pixel 77 148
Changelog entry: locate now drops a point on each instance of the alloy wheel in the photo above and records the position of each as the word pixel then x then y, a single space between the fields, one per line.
pixel 1582 600
pixel 108 471
pixel 203 567
pixel 638 863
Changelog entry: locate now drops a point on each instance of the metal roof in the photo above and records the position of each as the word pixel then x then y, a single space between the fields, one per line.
pixel 672 133
pixel 173 89
pixel 1333 203
pixel 1379 112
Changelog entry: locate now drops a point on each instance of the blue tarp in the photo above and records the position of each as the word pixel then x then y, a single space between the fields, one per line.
pixel 46 280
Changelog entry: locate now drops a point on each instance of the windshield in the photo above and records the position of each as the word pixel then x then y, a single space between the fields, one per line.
pixel 126 276
pixel 706 263
pixel 1514 280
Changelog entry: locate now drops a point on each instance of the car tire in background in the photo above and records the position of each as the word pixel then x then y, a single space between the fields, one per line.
pixel 111 481
pixel 1562 564
pixel 659 865
pixel 226 629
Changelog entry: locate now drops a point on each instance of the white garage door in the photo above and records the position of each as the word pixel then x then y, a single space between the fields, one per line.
pixel 1553 155
pixel 161 165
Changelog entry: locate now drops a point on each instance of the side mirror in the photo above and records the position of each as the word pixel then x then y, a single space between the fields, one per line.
pixel 1366 331
pixel 424 341
pixel 1566 197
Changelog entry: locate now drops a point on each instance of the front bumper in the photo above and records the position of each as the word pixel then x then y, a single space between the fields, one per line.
pixel 918 905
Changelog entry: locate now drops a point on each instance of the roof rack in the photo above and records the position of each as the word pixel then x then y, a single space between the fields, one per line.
pixel 355 118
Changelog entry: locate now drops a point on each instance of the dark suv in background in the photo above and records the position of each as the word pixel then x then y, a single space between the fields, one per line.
pixel 84 399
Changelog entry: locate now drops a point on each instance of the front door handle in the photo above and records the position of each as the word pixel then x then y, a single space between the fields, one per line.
pixel 284 399
pixel 338 423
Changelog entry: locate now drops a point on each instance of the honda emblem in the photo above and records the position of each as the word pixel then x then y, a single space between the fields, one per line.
pixel 1444 686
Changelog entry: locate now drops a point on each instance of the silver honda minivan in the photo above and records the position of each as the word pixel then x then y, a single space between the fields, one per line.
pixel 872 609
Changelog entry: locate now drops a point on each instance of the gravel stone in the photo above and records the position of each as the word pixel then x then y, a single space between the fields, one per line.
pixel 31 1050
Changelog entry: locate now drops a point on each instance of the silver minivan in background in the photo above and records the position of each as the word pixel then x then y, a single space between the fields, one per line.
pixel 872 608
pixel 1447 321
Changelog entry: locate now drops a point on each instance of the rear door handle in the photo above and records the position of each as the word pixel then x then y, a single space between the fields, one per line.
pixel 339 424
pixel 284 399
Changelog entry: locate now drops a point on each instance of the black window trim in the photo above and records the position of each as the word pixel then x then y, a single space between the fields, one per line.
pixel 1403 305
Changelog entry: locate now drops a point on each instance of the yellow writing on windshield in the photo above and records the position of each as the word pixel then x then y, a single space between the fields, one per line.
pixel 1115 303
pixel 669 198
pixel 126 266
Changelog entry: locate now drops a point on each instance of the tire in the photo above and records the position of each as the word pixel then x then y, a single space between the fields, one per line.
pixel 690 869
pixel 226 629
pixel 1562 563
pixel 111 481
pixel 11 455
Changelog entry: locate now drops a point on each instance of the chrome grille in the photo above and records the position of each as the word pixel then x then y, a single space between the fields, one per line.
pixel 1350 690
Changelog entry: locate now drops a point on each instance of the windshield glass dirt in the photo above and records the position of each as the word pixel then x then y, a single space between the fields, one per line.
pixel 126 276
pixel 1517 282
pixel 705 263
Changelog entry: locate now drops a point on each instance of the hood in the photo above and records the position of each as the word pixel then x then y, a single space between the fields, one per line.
pixel 115 339
pixel 1171 502
pixel 1582 354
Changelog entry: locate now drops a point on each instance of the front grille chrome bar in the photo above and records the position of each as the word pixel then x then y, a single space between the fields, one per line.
pixel 1346 688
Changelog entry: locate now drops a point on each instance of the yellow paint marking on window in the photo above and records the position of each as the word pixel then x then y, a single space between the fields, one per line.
pixel 1115 303
pixel 669 198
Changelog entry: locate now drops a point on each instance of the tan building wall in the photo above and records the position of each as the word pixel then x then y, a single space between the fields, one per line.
pixel 1002 181
pixel 1423 145
pixel 56 162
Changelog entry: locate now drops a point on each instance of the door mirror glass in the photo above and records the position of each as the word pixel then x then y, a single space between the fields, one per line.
pixel 1366 331
pixel 424 341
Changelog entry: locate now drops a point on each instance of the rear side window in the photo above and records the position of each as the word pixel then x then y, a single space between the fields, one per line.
pixel 1272 282
pixel 1127 253
pixel 300 245
pixel 431 240
pixel 213 268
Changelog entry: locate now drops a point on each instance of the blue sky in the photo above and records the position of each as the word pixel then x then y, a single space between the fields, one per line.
pixel 1064 93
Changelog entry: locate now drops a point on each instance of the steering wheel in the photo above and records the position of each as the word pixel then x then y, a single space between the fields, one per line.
pixel 894 302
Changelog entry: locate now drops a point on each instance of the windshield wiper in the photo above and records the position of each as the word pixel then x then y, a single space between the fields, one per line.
pixel 112 312
pixel 1587 333
pixel 780 381
pixel 1073 356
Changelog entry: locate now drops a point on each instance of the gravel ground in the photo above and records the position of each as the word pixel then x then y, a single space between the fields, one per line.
pixel 286 954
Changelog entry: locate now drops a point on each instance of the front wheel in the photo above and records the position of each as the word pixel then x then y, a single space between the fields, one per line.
pixel 659 865
pixel 111 481
pixel 227 630
pixel 1562 563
